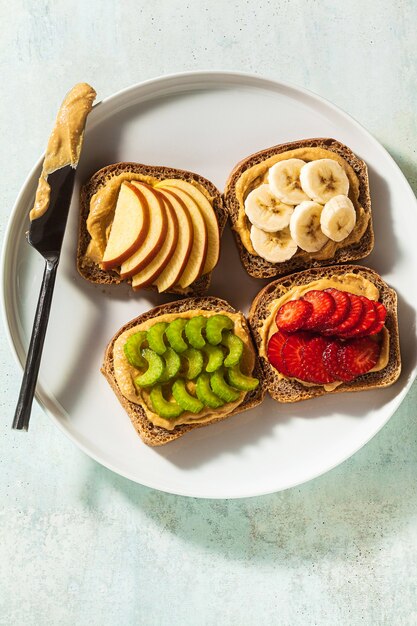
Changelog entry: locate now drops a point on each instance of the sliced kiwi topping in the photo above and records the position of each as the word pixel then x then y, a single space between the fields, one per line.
pixel 169 409
pixel 154 371
pixel 185 400
pixel 172 365
pixel 220 387
pixel 132 349
pixel 156 337
pixel 215 327
pixel 174 335
pixel 193 331
pixel 195 362
pixel 241 381
pixel 234 344
pixel 205 394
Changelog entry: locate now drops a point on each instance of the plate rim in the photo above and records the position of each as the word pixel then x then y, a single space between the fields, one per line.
pixel 219 76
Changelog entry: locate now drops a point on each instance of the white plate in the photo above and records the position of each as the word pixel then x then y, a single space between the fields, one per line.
pixel 205 122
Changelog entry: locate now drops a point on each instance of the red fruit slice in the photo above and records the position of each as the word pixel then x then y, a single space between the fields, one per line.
pixel 332 363
pixel 342 309
pixel 274 352
pixel 315 370
pixel 292 354
pixel 323 307
pixel 381 314
pixel 353 318
pixel 366 321
pixel 293 315
pixel 359 355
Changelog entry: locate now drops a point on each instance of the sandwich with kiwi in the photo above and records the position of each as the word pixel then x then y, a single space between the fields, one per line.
pixel 153 227
pixel 300 205
pixel 183 365
pixel 326 330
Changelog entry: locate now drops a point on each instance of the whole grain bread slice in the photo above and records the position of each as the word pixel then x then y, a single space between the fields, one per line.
pixel 90 270
pixel 286 390
pixel 155 435
pixel 260 268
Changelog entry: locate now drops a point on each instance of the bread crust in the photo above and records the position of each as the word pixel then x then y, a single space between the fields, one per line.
pixel 260 268
pixel 284 390
pixel 155 435
pixel 92 272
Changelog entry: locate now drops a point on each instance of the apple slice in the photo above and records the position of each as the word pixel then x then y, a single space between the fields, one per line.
pixel 129 228
pixel 174 269
pixel 158 225
pixel 213 250
pixel 151 271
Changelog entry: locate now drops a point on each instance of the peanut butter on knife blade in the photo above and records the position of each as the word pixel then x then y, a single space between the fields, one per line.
pixel 65 141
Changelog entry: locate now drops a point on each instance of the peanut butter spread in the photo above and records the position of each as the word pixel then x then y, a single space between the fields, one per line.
pixel 125 373
pixel 258 174
pixel 64 145
pixel 349 282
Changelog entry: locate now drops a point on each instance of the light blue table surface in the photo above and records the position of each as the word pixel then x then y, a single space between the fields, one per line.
pixel 80 545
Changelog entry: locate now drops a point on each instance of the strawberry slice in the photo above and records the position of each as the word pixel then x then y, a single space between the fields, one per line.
pixel 293 315
pixel 359 355
pixel 353 318
pixel 292 354
pixel 323 307
pixel 381 314
pixel 342 307
pixel 274 351
pixel 315 369
pixel 332 363
pixel 366 321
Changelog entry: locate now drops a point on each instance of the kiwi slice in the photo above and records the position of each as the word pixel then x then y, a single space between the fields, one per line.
pixel 169 409
pixel 174 335
pixel 220 387
pixel 156 340
pixel 235 346
pixel 172 365
pixel 194 362
pixel 214 356
pixel 185 400
pixel 132 349
pixel 241 381
pixel 193 331
pixel 205 394
pixel 215 326
pixel 154 371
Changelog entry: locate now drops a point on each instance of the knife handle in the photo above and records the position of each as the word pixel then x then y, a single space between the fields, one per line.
pixel 30 376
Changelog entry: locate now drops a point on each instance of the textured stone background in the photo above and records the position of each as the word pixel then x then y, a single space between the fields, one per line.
pixel 78 544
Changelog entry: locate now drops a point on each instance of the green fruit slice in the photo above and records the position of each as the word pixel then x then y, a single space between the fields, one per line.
pixel 241 381
pixel 132 349
pixel 184 399
pixel 214 356
pixel 205 394
pixel 156 339
pixel 193 331
pixel 235 347
pixel 195 362
pixel 174 335
pixel 164 408
pixel 215 326
pixel 154 371
pixel 172 365
pixel 220 387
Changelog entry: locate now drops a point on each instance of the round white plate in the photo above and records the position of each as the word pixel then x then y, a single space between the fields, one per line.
pixel 205 122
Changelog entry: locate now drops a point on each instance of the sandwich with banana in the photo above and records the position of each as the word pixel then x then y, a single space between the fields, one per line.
pixel 299 205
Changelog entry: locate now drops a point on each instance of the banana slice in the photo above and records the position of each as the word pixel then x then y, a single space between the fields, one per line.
pixel 338 218
pixel 284 180
pixel 305 226
pixel 266 211
pixel 273 247
pixel 322 179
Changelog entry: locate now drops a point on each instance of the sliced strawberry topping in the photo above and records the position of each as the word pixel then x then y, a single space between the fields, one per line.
pixel 342 309
pixel 333 364
pixel 366 321
pixel 274 351
pixel 381 314
pixel 315 370
pixel 292 354
pixel 353 318
pixel 293 315
pixel 359 355
pixel 323 307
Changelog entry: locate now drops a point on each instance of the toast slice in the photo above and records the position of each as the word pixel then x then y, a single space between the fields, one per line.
pixel 90 270
pixel 258 267
pixel 286 390
pixel 154 435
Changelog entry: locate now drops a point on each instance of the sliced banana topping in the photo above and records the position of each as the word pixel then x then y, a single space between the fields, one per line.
pixel 273 247
pixel 323 179
pixel 338 218
pixel 266 211
pixel 284 180
pixel 305 226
